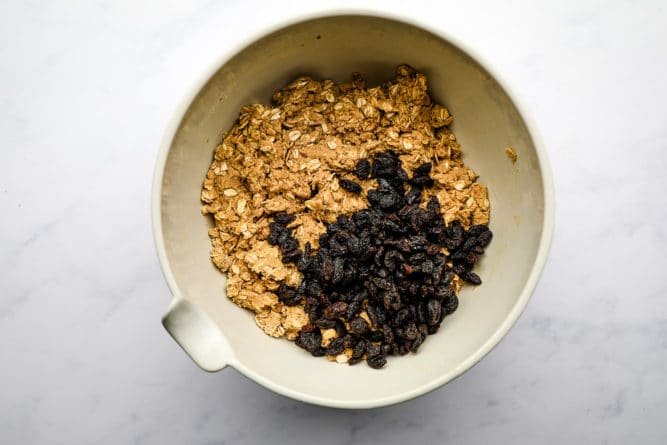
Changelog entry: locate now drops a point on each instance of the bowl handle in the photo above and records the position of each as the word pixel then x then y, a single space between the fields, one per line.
pixel 196 333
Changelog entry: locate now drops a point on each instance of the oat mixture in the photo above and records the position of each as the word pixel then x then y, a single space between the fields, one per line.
pixel 292 157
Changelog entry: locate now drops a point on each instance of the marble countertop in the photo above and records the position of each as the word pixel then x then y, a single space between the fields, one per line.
pixel 86 91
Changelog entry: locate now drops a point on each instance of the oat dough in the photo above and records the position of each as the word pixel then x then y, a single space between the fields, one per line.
pixel 290 158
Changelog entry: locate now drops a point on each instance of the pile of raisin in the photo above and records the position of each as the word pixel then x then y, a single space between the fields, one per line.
pixel 386 260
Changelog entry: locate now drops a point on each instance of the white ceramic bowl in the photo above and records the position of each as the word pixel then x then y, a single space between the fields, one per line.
pixel 216 333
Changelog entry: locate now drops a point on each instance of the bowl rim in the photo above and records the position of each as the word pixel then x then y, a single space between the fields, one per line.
pixel 542 157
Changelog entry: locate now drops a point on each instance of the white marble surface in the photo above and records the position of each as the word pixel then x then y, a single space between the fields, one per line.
pixel 86 89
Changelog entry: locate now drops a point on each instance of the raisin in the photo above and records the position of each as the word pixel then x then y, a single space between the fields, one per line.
pixel 392 259
pixel 327 268
pixel 384 199
pixel 388 333
pixel 319 352
pixel 283 218
pixel 313 288
pixel 288 295
pixel 324 299
pixel 350 341
pixel 350 186
pixel 335 346
pixel 374 350
pixel 477 230
pixel 450 304
pixel 360 348
pixel 324 323
pixel 289 244
pixel 308 328
pixel 432 249
pixel 372 315
pixel 478 249
pixel 433 206
pixel 339 271
pixel 484 239
pixel 423 169
pixel 385 165
pixel 359 326
pixel 433 312
pixel 447 277
pixel 471 277
pixel 469 243
pixel 340 328
pixel 335 310
pixel 401 317
pixel 376 361
pixel 279 237
pixel 354 246
pixel 304 263
pixel 386 348
pixel 310 341
pixel 375 336
pixel 421 182
pixel 459 268
pixel 291 256
pixel 362 169
pixel 386 259
pixel 352 309
pixel 414 196
pixel 411 332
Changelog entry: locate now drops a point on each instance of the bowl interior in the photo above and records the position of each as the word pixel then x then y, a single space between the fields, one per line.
pixel 486 121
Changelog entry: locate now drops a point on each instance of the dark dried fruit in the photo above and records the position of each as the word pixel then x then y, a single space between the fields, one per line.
pixel 291 256
pixel 450 304
pixel 335 346
pixel 335 310
pixel 350 186
pixel 401 317
pixel 484 238
pixel 340 328
pixel 423 169
pixel 374 350
pixel 386 260
pixel 388 333
pixel 385 165
pixel 277 233
pixel 310 341
pixel 308 328
pixel 386 349
pixel 413 196
pixel 376 361
pixel 283 218
pixel 421 181
pixel 384 199
pixel 323 323
pixel 375 336
pixel 288 245
pixel 350 341
pixel 411 332
pixel 359 326
pixel 288 295
pixel 319 352
pixel 433 312
pixel 339 271
pixel 361 348
pixel 362 169
pixel 471 277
